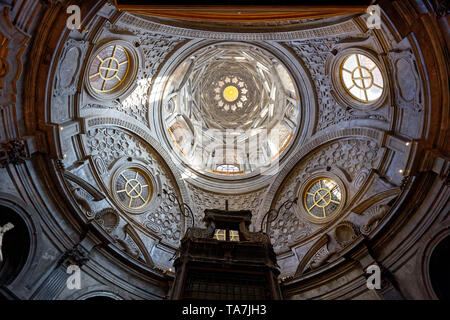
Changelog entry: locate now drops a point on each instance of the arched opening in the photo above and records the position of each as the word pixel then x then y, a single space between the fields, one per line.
pixel 439 266
pixel 100 298
pixel 14 246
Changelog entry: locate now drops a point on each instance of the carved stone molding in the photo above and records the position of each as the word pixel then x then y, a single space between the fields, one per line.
pixel 93 191
pixel 292 228
pixel 374 135
pixel 314 255
pixel 108 219
pixel 345 232
pixel 137 22
pixel 114 150
pixel 375 214
pixel 12 46
pixel 134 241
pixel 409 93
pixel 67 75
pixel 143 134
pixel 77 255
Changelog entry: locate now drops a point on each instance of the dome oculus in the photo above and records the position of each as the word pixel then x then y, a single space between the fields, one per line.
pixel 230 93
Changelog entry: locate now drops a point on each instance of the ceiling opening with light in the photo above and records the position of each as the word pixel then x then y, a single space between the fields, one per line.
pixel 121 123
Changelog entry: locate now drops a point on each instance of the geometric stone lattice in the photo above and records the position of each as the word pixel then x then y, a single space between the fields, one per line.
pixel 352 155
pixel 230 105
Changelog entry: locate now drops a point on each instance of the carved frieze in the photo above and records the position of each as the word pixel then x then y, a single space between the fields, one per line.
pixel 344 27
pixel 208 200
pixel 315 53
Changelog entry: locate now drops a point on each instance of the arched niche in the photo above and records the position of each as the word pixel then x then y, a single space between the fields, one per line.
pixel 439 265
pixel 15 247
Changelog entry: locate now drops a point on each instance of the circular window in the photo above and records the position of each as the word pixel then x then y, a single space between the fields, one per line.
pixel 132 188
pixel 112 68
pixel 109 68
pixel 322 198
pixel 362 78
pixel 359 79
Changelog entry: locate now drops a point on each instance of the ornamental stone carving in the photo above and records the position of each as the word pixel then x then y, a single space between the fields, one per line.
pixel 315 53
pixel 351 155
pixel 207 200
pixel 77 255
pixel 345 27
pixel 108 219
pixel 374 214
pixel 113 145
pixel 409 94
pixel 66 80
pixel 155 46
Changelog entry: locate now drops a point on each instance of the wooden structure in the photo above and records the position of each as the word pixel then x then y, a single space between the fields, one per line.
pixel 240 266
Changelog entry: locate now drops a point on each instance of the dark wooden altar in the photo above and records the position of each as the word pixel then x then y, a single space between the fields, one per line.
pixel 225 261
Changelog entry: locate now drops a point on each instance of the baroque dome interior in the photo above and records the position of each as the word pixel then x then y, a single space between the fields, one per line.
pixel 219 103
pixel 117 136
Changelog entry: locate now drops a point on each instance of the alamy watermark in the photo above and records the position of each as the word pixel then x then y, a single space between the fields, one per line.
pixel 74 20
pixel 374 19
pixel 74 280
pixel 374 280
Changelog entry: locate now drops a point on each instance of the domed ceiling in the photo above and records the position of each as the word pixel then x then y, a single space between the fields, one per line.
pixel 143 113
pixel 230 108
pixel 253 119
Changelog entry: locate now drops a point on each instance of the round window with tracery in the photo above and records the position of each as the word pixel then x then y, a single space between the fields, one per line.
pixel 361 78
pixel 109 68
pixel 133 188
pixel 322 198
